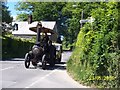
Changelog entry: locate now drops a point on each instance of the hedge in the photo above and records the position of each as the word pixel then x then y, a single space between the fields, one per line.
pixel 15 47
pixel 96 58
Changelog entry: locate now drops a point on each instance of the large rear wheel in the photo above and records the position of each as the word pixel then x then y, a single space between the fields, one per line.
pixel 44 62
pixel 52 56
pixel 27 60
pixel 52 60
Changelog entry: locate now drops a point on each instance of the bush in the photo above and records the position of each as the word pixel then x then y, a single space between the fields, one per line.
pixel 15 47
pixel 95 60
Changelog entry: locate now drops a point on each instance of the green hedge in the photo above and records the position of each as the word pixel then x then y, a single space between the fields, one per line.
pixel 96 58
pixel 15 47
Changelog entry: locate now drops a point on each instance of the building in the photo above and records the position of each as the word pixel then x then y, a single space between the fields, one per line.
pixel 22 29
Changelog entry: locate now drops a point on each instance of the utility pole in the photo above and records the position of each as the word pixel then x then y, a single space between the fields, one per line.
pixel 81 18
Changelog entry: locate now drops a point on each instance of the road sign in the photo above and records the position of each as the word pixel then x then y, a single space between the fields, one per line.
pixel 83 21
pixel 87 20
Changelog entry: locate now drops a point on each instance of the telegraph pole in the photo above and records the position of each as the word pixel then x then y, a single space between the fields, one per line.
pixel 81 18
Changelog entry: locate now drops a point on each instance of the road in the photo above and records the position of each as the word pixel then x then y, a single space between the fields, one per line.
pixel 15 75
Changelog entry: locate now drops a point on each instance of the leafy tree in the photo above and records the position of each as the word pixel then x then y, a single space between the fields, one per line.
pixel 51 11
pixel 66 14
pixel 22 17
pixel 6 14
pixel 41 10
pixel 5 18
pixel 73 13
pixel 73 29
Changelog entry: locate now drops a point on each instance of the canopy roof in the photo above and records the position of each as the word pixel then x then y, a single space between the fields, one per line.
pixel 43 30
pixel 33 27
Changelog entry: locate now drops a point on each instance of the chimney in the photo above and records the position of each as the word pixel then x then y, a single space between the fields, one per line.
pixel 29 19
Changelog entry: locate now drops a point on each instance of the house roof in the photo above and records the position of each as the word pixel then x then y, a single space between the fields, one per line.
pixel 23 27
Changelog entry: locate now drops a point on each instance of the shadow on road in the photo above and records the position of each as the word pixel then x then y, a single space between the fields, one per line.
pixel 13 59
pixel 60 66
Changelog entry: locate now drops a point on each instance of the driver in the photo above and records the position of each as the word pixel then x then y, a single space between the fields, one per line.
pixel 45 43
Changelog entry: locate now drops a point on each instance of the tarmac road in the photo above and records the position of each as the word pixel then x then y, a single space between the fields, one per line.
pixel 15 75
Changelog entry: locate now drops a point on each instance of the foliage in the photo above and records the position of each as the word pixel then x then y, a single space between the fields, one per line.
pixel 6 14
pixel 40 10
pixel 22 17
pixel 64 13
pixel 73 29
pixel 95 60
pixel 15 47
pixel 43 11
pixel 72 11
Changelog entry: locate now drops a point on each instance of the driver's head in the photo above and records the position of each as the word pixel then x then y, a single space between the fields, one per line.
pixel 39 24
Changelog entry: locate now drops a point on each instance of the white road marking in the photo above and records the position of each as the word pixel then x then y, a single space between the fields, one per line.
pixel 40 79
pixel 6 68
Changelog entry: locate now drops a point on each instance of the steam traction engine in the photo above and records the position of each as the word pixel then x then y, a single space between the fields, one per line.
pixel 42 51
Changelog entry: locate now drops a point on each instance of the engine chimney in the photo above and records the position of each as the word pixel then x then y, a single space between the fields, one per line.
pixel 29 19
pixel 39 26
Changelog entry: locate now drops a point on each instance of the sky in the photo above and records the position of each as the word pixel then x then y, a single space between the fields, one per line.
pixel 11 4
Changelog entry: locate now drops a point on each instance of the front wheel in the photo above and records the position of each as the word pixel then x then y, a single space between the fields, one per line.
pixel 44 62
pixel 27 60
pixel 52 61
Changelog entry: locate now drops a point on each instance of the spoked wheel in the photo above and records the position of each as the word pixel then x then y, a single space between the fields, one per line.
pixel 44 62
pixel 27 60
pixel 52 56
pixel 52 61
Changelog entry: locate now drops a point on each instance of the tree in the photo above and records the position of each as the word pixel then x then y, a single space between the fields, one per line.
pixel 6 14
pixel 6 18
pixel 51 11
pixel 40 10
pixel 73 29
pixel 66 14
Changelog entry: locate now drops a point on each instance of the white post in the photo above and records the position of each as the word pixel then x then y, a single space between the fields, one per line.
pixel 81 18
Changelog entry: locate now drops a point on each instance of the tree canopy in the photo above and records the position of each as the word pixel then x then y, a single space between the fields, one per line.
pixel 6 17
pixel 66 14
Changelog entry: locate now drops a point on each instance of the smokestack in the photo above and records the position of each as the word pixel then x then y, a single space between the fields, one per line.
pixel 29 19
pixel 39 26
